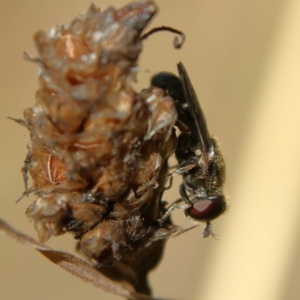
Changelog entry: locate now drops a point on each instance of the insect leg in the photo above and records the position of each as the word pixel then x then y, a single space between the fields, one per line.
pixel 183 127
pixel 184 195
pixel 185 230
pixel 170 209
pixel 169 186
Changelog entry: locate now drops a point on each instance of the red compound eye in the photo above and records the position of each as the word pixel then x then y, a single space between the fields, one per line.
pixel 207 209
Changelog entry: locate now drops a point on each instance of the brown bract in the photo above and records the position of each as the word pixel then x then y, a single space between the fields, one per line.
pixel 98 149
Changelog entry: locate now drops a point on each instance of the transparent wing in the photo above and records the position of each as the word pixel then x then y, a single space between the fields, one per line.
pixel 200 128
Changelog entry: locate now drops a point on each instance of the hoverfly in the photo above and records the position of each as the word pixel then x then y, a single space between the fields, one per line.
pixel 201 163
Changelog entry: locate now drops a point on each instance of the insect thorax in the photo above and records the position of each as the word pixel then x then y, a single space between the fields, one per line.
pixel 208 182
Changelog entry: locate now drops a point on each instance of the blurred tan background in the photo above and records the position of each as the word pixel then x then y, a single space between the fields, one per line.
pixel 244 60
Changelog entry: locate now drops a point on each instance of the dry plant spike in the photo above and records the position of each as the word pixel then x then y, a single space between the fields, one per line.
pixel 98 149
pixel 176 43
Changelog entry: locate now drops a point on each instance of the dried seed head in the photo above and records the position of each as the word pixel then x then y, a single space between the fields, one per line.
pixel 98 148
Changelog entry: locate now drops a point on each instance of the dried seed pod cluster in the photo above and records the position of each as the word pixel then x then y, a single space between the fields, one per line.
pixel 98 148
